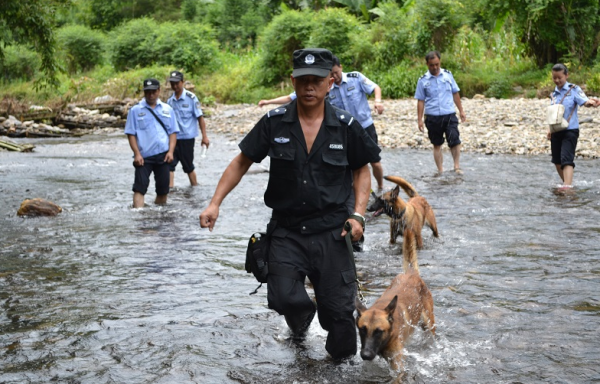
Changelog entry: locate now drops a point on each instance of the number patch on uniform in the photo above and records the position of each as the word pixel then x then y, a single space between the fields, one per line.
pixel 336 146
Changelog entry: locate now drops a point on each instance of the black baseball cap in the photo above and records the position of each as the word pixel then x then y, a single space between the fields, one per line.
pixel 312 61
pixel 176 76
pixel 151 84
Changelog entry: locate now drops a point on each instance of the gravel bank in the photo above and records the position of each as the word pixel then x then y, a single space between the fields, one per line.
pixel 514 126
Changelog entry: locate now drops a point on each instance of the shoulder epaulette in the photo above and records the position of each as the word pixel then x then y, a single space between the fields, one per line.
pixel 190 94
pixel 445 70
pixel 353 74
pixel 344 116
pixel 422 77
pixel 276 112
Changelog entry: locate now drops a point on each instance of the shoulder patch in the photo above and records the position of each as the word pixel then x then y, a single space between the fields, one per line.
pixel 352 74
pixel 344 116
pixel 276 112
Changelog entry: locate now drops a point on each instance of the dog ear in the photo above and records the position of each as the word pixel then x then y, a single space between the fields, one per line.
pixel 392 305
pixel 360 307
pixel 395 192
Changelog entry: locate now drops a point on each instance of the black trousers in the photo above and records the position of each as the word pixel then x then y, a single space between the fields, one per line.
pixel 324 259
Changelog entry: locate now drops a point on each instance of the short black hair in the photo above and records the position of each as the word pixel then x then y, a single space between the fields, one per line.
pixel 560 67
pixel 336 61
pixel 432 55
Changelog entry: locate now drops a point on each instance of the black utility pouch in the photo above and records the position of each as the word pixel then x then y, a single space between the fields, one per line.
pixel 257 254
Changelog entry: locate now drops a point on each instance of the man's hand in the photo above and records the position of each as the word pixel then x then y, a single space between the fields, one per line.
pixel 138 160
pixel 208 218
pixel 262 103
pixel 205 141
pixel 169 157
pixel 379 107
pixel 357 229
pixel 421 125
pixel 463 117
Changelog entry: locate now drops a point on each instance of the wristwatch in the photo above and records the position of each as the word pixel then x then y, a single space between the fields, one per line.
pixel 358 217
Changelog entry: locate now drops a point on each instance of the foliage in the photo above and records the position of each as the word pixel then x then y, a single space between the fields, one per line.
pixel 399 81
pixel 285 34
pixel 237 22
pixel 32 21
pixel 20 63
pixel 336 28
pixel 554 29
pixel 389 35
pixel 108 14
pixel 499 89
pixel 436 22
pixel 83 47
pixel 143 42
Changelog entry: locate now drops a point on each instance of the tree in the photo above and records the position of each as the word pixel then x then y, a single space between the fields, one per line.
pixel 32 22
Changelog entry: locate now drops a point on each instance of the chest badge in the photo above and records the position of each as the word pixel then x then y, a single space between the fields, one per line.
pixel 338 147
pixel 282 140
pixel 351 88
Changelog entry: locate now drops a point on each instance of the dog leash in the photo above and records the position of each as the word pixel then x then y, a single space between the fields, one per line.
pixel 348 238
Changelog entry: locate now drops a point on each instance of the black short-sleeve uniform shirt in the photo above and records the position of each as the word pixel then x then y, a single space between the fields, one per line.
pixel 303 184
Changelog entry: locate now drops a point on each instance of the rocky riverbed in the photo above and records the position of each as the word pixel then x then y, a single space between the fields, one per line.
pixel 514 126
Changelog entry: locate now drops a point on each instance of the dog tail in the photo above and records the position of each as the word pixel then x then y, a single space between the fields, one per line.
pixel 410 262
pixel 408 188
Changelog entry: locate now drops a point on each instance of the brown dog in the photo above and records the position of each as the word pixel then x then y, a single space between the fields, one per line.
pixel 390 321
pixel 407 218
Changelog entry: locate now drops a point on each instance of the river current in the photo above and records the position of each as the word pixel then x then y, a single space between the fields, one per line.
pixel 104 293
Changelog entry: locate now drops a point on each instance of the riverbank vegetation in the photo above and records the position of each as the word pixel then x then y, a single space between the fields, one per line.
pixel 239 51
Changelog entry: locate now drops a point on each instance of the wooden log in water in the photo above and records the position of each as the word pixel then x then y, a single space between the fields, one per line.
pixel 38 207
pixel 12 146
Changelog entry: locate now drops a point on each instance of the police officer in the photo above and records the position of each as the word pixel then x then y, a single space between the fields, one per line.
pixel 319 156
pixel 152 130
pixel 349 92
pixel 189 117
pixel 437 93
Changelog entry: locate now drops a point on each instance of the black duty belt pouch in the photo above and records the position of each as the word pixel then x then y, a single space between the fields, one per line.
pixel 257 254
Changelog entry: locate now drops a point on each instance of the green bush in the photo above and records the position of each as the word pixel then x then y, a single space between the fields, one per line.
pixel 183 45
pixel 83 47
pixel 20 63
pixel 286 33
pixel 132 44
pixel 399 81
pixel 336 26
pixel 187 46
pixel 500 89
pixel 389 36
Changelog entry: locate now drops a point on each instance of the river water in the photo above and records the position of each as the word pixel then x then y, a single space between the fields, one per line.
pixel 108 294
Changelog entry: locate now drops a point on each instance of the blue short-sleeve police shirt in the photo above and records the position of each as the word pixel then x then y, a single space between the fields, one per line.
pixel 351 95
pixel 151 137
pixel 571 101
pixel 187 111
pixel 437 92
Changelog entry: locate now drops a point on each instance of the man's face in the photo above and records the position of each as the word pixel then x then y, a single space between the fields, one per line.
pixel 434 66
pixel 311 90
pixel 336 72
pixel 177 87
pixel 151 96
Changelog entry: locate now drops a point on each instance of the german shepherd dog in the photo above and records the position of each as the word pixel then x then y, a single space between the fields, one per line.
pixel 387 325
pixel 407 218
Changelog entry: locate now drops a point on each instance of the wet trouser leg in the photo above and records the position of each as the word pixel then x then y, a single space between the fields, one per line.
pixel 324 259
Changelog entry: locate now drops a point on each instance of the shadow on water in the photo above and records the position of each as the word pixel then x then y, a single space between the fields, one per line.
pixel 108 294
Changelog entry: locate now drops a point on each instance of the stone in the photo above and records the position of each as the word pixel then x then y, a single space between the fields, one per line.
pixel 38 207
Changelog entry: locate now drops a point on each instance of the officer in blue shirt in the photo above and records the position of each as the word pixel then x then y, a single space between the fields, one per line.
pixel 437 93
pixel 152 130
pixel 349 92
pixel 564 143
pixel 189 117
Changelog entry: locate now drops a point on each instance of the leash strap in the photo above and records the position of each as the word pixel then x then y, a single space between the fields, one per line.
pixel 348 238
pixel 159 120
pixel 574 107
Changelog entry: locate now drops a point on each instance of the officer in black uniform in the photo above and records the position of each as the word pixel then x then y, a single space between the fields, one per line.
pixel 319 156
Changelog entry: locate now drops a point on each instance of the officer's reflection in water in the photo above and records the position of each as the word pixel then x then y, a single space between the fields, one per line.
pixel 319 159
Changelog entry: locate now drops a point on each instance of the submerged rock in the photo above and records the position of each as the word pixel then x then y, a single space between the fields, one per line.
pixel 38 207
